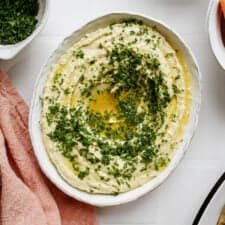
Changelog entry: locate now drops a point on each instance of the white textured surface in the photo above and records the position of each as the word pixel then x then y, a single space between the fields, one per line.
pixel 178 199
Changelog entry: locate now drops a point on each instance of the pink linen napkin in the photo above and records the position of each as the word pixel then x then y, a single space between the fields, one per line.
pixel 26 196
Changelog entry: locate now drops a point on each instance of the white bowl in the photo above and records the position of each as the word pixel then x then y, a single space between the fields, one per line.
pixel 9 51
pixel 35 112
pixel 214 32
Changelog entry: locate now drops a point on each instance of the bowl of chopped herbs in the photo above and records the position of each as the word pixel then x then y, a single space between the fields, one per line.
pixel 20 22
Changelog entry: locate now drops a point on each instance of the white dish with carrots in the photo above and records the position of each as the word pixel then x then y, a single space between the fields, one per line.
pixel 216 29
pixel 92 139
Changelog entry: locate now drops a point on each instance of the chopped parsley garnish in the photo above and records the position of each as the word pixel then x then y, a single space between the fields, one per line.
pixel 17 20
pixel 78 54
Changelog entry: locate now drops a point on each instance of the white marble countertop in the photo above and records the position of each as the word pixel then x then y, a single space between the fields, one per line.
pixel 178 199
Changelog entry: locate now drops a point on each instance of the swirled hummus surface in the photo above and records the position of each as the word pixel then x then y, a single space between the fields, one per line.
pixel 114 108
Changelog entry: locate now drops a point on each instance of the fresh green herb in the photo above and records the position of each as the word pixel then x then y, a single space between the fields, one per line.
pixel 78 54
pixel 100 46
pixel 177 77
pixel 66 91
pixel 83 174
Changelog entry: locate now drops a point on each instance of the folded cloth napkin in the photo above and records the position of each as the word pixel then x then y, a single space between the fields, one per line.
pixel 26 196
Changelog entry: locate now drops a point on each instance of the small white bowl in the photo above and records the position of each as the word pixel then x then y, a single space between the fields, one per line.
pixel 214 32
pixel 9 51
pixel 35 112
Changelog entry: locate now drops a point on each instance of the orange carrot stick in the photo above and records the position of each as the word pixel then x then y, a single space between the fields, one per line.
pixel 222 3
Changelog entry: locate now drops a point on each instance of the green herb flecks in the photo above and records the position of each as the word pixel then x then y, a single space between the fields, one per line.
pixel 78 54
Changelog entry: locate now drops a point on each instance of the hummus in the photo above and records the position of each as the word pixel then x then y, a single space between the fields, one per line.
pixel 114 108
